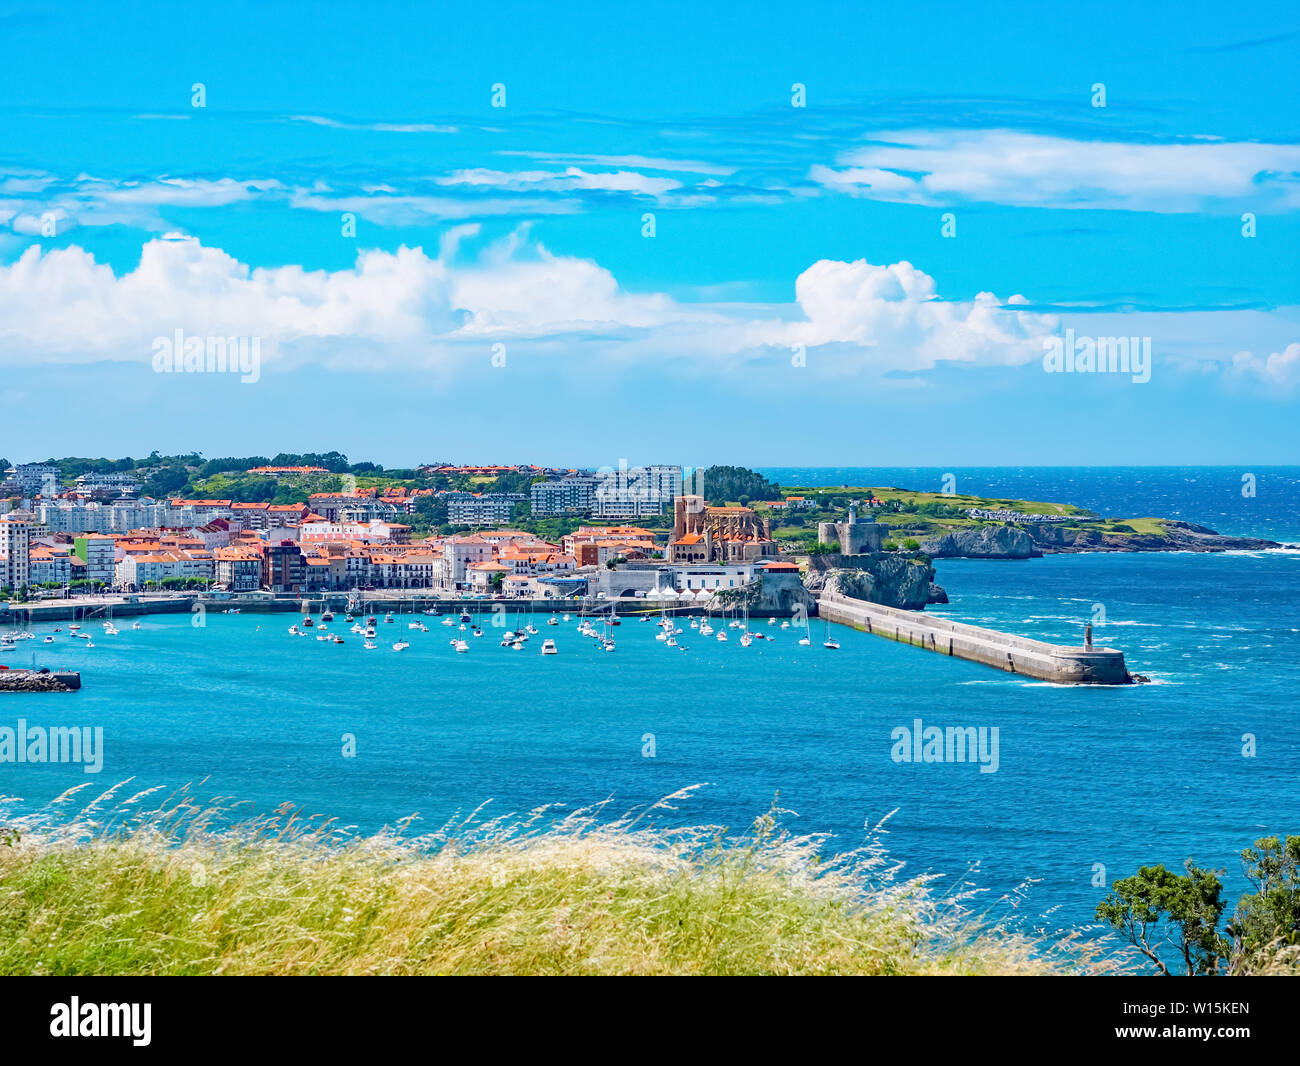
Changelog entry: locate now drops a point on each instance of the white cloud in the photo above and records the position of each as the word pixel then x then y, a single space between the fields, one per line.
pixel 638 162
pixel 570 180
pixel 1280 371
pixel 407 310
pixel 1032 170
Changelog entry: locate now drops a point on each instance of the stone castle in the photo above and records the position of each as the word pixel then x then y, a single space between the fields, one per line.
pixel 857 536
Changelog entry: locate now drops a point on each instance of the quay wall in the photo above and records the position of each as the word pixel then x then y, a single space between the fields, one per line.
pixel 1004 651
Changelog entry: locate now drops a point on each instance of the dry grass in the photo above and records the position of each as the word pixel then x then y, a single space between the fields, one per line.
pixel 181 889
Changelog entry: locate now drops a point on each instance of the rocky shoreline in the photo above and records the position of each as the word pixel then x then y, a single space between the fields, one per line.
pixel 1033 540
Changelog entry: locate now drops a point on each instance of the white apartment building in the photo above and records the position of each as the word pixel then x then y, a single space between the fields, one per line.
pixel 633 492
pixel 575 494
pixel 458 554
pixel 494 508
pixel 15 548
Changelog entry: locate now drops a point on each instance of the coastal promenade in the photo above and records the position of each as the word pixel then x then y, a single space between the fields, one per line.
pixel 1017 655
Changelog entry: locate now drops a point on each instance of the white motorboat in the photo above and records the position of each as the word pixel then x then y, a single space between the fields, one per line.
pixel 461 646
pixel 370 645
pixel 548 647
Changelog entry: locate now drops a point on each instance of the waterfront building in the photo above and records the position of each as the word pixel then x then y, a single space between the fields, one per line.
pixel 712 577
pixel 239 569
pixel 282 567
pixel 460 553
pixel 15 552
pixel 98 552
pixel 49 565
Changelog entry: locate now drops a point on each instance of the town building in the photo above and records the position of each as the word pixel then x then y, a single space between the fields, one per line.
pixel 98 553
pixel 574 494
pixel 635 492
pixel 703 534
pixel 15 552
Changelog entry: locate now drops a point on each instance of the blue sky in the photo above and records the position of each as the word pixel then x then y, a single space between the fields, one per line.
pixel 798 303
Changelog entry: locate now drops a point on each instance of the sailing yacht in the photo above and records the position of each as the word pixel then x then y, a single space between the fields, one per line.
pixel 830 641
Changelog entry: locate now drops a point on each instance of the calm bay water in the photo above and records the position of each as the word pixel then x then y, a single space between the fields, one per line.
pixel 1086 775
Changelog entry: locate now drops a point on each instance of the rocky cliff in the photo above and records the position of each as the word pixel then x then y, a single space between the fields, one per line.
pixel 1051 538
pixel 892 580
pixel 982 542
pixel 1032 539
pixel 771 594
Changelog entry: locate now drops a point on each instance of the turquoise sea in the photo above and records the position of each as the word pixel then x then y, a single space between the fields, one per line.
pixel 1085 776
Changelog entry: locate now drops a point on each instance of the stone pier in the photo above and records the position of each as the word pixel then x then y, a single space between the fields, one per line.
pixel 1017 655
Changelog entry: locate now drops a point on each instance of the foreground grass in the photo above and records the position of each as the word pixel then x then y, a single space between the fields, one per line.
pixel 168 892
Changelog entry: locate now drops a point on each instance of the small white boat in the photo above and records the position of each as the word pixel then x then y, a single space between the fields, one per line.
pixel 672 642
pixel 608 645
pixel 785 625
pixel 552 621
pixel 135 625
pixel 368 632
pixel 414 625
pixel 548 647
pixel 772 621
pixel 49 640
pixel 401 645
pixel 370 645
pixel 448 622
pixel 746 641
pixel 722 637
pixel 706 630
pixel 834 645
pixel 804 642
pixel 323 637
pixel 461 646
pixel 518 645
pixel 388 618
pixel 532 629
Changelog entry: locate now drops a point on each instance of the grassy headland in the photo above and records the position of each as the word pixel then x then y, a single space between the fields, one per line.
pixel 181 890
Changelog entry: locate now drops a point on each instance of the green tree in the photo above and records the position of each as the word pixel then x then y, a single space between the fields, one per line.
pixel 1271 914
pixel 1156 908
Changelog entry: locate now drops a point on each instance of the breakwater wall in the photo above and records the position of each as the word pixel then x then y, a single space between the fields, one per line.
pixel 1004 651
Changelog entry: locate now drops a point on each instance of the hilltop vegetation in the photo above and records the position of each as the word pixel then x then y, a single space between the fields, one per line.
pixel 171 893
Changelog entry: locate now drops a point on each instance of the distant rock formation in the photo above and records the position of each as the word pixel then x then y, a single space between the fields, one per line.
pixel 982 542
pixel 1051 538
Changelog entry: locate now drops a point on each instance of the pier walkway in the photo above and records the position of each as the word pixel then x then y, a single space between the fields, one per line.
pixel 1017 655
